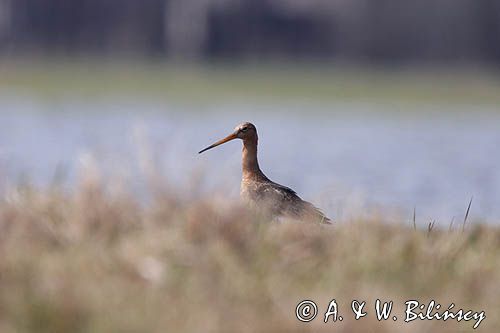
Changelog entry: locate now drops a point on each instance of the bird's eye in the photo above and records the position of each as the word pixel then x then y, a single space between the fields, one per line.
pixel 244 129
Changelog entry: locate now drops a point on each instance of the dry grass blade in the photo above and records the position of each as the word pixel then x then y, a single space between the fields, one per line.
pixel 450 228
pixel 430 226
pixel 467 213
pixel 414 218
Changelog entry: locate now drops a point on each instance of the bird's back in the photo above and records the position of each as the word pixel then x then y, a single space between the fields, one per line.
pixel 280 200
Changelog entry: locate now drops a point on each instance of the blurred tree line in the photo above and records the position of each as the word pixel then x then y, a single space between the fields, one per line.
pixel 354 30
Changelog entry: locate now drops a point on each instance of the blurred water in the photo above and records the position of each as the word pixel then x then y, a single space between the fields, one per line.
pixel 346 158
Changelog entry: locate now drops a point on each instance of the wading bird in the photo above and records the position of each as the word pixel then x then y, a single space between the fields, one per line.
pixel 260 191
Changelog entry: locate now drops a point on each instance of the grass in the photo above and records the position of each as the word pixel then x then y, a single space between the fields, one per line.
pixel 322 82
pixel 95 260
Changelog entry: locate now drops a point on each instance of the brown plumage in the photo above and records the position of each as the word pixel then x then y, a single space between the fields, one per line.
pixel 260 191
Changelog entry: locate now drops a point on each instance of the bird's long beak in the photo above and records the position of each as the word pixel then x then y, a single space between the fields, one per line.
pixel 230 137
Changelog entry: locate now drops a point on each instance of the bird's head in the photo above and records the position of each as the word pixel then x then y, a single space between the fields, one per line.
pixel 245 131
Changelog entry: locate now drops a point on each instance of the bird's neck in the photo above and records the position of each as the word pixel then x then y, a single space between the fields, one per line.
pixel 250 164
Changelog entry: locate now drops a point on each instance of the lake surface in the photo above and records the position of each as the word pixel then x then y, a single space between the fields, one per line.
pixel 348 158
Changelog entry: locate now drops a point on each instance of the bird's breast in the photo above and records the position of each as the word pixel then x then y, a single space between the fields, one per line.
pixel 250 190
pixel 246 191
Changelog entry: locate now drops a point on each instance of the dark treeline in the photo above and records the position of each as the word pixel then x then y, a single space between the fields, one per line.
pixel 358 30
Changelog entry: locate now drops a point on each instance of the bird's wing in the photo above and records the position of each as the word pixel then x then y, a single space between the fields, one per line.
pixel 282 200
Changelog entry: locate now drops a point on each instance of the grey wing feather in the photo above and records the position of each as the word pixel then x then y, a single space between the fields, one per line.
pixel 283 200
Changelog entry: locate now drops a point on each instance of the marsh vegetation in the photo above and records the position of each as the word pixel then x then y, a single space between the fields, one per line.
pixel 97 260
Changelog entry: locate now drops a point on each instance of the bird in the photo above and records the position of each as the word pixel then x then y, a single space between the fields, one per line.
pixel 259 191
